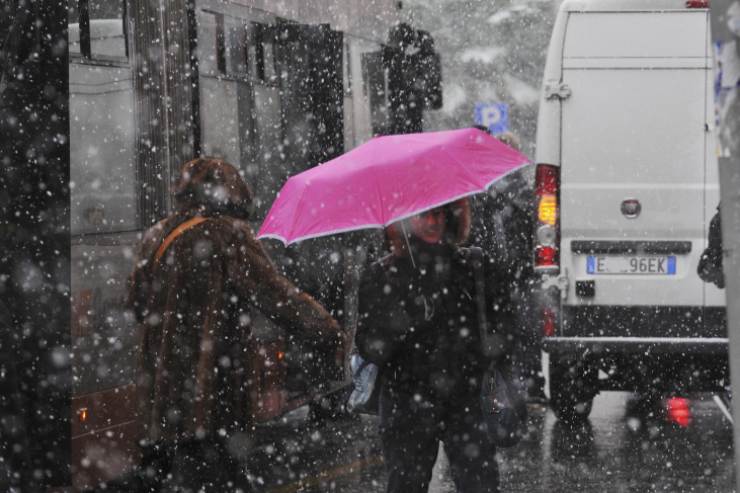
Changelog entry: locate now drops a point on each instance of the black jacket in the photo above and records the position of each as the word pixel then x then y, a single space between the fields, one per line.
pixel 710 263
pixel 419 323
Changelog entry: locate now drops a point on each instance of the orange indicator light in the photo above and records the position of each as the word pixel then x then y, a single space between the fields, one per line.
pixel 547 212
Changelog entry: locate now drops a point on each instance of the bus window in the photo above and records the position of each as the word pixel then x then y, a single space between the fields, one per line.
pixel 238 52
pixel 97 29
pixel 219 119
pixel 264 53
pixel 224 100
pixel 107 33
pixel 104 194
pixel 73 18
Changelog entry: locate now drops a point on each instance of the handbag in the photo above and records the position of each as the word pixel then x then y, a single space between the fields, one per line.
pixel 366 386
pixel 503 406
pixel 504 409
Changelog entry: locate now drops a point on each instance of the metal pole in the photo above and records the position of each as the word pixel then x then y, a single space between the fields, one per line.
pixel 725 24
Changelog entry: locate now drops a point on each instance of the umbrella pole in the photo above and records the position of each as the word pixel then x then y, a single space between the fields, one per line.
pixel 408 245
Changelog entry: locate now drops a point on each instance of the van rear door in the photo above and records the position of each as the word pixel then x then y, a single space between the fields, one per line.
pixel 633 156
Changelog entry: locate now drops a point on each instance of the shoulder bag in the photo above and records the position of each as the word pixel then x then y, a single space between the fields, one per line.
pixel 504 409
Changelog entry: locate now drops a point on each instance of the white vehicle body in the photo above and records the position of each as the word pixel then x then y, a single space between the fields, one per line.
pixel 627 117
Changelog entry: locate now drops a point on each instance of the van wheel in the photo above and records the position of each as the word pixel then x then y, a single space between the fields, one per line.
pixel 572 390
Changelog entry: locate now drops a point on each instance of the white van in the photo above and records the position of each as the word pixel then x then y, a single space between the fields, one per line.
pixel 627 184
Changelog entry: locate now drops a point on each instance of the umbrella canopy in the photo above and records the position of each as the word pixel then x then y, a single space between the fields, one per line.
pixel 388 179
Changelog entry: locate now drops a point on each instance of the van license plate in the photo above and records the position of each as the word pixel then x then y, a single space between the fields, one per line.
pixel 640 265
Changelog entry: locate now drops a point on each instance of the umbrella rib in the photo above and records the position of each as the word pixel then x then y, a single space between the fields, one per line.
pixel 298 204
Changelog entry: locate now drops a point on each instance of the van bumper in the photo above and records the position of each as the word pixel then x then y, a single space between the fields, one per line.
pixel 646 363
pixel 642 347
pixel 605 346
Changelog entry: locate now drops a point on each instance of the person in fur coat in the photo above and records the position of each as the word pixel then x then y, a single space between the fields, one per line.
pixel 200 275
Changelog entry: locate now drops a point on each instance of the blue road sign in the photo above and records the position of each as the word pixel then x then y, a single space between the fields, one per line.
pixel 493 116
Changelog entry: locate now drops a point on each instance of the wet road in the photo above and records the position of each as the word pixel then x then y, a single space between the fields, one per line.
pixel 611 453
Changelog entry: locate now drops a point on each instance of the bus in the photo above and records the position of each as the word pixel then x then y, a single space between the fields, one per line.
pixel 273 90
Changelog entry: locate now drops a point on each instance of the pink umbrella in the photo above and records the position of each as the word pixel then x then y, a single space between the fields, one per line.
pixel 388 179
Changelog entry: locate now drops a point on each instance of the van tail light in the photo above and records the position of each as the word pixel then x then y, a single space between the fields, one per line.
pixel 679 411
pixel 546 256
pixel 697 4
pixel 547 234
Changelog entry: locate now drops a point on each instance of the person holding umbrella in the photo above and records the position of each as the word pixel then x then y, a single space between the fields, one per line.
pixel 419 314
pixel 418 323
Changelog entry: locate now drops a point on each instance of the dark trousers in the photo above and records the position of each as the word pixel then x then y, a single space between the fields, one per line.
pixel 411 430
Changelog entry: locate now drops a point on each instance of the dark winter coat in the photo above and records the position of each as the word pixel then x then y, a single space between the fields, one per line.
pixel 194 308
pixel 419 323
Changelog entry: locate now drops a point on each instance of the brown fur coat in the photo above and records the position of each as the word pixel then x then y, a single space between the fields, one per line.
pixel 193 308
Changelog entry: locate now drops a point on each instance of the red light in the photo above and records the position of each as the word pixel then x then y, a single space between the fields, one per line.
pixel 697 4
pixel 547 179
pixel 549 322
pixel 546 256
pixel 547 184
pixel 678 411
